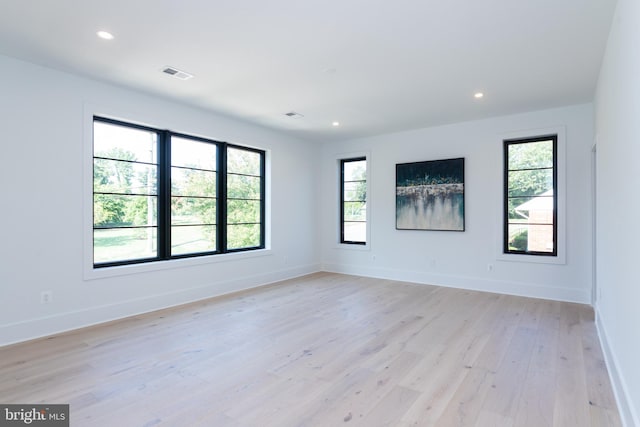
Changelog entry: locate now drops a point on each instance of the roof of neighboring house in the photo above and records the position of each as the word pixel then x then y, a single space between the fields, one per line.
pixel 543 202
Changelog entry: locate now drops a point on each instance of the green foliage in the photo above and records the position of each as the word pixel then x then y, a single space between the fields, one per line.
pixel 355 211
pixel 243 236
pixel 107 210
pixel 198 189
pixel 537 159
pixel 194 194
pixel 117 176
pixel 244 162
pixel 520 241
pixel 357 188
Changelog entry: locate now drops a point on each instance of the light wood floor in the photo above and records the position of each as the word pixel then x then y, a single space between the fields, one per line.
pixel 327 350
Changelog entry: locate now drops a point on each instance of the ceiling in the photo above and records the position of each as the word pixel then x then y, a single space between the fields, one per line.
pixel 375 66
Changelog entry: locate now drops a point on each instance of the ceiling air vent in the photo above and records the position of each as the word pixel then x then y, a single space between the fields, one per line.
pixel 178 74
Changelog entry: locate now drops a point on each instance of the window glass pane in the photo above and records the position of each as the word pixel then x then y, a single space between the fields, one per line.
pixel 243 236
pixel 355 211
pixel 114 176
pixel 243 187
pixel 531 238
pixel 123 244
pixel 355 170
pixel 355 231
pixel 193 154
pixel 530 155
pixel 193 210
pixel 530 182
pixel 124 143
pixel 193 239
pixel 355 191
pixel 124 211
pixel 243 211
pixel 243 161
pixel 190 182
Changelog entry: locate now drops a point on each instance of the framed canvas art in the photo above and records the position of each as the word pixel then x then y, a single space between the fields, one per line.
pixel 430 195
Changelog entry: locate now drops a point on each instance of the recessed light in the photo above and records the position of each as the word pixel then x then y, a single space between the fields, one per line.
pixel 105 35
pixel 478 95
pixel 335 124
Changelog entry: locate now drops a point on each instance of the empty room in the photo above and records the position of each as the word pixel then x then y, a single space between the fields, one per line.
pixel 356 213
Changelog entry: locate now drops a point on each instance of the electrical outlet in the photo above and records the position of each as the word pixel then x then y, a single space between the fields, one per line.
pixel 46 297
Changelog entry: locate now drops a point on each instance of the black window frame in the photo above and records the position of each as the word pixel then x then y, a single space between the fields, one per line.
pixel 505 242
pixel 164 197
pixel 342 201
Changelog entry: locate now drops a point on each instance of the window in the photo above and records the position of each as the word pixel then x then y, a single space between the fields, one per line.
pixel 353 201
pixel 125 193
pixel 531 196
pixel 194 201
pixel 158 195
pixel 245 198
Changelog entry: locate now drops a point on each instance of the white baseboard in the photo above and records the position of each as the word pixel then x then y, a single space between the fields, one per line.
pixel 470 283
pixel 628 413
pixel 13 333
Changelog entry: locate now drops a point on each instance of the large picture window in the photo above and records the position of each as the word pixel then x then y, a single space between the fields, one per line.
pixel 530 196
pixel 158 195
pixel 353 201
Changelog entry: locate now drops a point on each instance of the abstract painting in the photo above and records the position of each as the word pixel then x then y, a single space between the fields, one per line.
pixel 430 195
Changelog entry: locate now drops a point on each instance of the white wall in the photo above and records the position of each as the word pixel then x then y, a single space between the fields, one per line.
pixel 618 206
pixel 461 259
pixel 43 116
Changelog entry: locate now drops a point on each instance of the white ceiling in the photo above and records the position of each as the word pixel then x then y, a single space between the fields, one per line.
pixel 375 66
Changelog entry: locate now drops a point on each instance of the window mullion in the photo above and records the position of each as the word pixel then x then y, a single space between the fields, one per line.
pixel 221 229
pixel 164 196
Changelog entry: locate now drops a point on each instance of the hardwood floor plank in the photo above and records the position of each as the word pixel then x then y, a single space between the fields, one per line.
pixel 327 350
pixel 390 408
pixel 537 402
pixel 601 399
pixel 572 402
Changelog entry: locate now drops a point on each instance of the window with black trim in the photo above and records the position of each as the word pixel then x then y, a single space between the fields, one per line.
pixel 530 196
pixel 353 201
pixel 159 195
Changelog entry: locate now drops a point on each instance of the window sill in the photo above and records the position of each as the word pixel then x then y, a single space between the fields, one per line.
pixel 352 247
pixel 535 259
pixel 92 273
